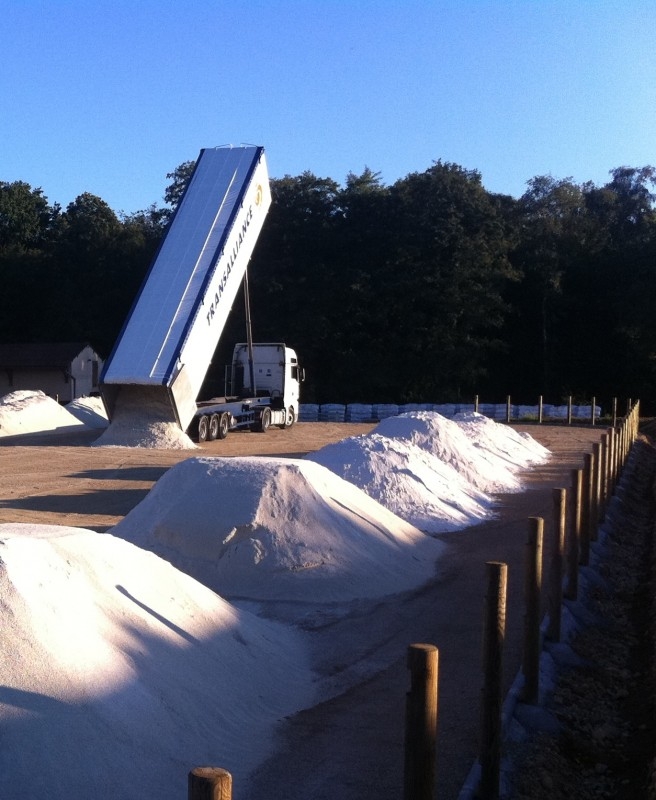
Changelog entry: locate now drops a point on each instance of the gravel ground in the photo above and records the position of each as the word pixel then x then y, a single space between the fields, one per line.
pixel 598 735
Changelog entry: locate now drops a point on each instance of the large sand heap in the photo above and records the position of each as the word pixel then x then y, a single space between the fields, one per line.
pixel 143 419
pixel 436 473
pixel 33 411
pixel 90 411
pixel 278 529
pixel 120 673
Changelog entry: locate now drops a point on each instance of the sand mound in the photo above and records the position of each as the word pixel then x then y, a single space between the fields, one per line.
pixel 278 529
pixel 141 432
pixel 121 672
pixel 412 483
pixel 435 473
pixel 90 411
pixel 142 419
pixel 515 448
pixel 31 412
pixel 447 440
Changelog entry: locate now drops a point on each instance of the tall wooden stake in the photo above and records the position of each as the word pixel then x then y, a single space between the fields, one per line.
pixel 574 544
pixel 421 723
pixel 532 594
pixel 556 571
pixel 494 633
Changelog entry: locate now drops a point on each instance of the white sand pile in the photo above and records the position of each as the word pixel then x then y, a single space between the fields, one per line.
pixel 409 481
pixel 145 433
pixel 90 411
pixel 32 412
pixel 451 443
pixel 278 529
pixel 142 419
pixel 516 448
pixel 120 673
pixel 436 473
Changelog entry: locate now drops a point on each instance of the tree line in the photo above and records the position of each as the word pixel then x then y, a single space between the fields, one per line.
pixel 431 289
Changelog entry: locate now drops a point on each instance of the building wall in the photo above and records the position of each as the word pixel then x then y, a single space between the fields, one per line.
pixel 85 371
pixel 81 380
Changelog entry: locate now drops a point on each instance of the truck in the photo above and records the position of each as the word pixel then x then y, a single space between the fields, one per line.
pixel 273 401
pixel 167 342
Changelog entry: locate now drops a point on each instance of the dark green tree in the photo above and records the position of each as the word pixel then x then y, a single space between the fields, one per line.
pixel 552 233
pixel 28 229
pixel 26 218
pixel 292 272
pixel 363 245
pixel 179 179
pixel 441 301
pixel 610 290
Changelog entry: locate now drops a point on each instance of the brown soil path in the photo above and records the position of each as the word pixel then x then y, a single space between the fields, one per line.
pixel 59 479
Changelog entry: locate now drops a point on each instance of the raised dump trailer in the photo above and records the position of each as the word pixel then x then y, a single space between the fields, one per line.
pixel 164 350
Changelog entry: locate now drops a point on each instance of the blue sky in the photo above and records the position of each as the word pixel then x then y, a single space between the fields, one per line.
pixel 108 97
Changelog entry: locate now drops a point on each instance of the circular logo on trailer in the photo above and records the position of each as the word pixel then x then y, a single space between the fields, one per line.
pixel 258 195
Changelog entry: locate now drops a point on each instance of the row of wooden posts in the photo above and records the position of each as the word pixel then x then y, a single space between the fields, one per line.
pixel 591 490
pixel 576 521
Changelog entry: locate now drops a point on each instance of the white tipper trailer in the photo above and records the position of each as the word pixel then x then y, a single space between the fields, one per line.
pixel 163 353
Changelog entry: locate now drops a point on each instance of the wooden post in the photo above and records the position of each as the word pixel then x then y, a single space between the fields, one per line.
pixel 603 472
pixel 628 439
pixel 494 632
pixel 619 450
pixel 636 420
pixel 625 443
pixel 614 411
pixel 421 723
pixel 209 783
pixel 607 468
pixel 586 498
pixel 611 461
pixel 508 409
pixel 596 491
pixel 592 503
pixel 573 549
pixel 556 571
pixel 532 593
pixel 569 410
pixel 540 410
pixel 476 403
pixel 592 410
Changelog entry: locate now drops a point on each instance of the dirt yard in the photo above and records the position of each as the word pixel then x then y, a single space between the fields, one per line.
pixel 352 744
pixel 59 479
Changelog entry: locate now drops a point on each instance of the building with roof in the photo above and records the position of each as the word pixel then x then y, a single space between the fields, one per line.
pixel 62 370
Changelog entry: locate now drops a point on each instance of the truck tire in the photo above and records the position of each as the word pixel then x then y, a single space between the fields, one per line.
pixel 264 422
pixel 224 425
pixel 290 418
pixel 214 427
pixel 203 428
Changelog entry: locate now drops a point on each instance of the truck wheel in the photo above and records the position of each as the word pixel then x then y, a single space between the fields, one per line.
pixel 224 425
pixel 290 418
pixel 263 424
pixel 214 427
pixel 203 428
